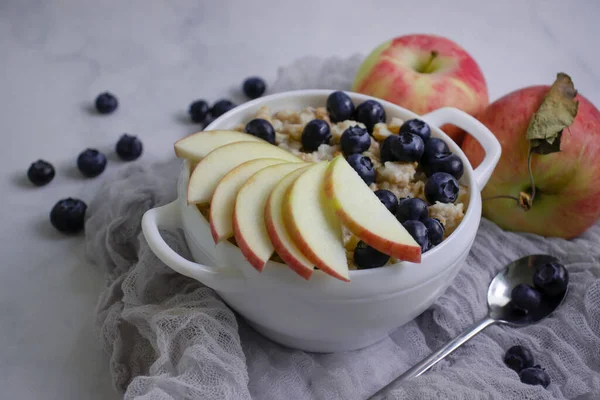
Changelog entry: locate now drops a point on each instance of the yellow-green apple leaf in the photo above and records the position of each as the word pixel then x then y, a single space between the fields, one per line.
pixel 557 112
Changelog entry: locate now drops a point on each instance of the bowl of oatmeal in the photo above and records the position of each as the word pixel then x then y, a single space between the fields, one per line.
pixel 323 314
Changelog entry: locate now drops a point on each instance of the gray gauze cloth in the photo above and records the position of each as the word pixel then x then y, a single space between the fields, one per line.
pixel 170 337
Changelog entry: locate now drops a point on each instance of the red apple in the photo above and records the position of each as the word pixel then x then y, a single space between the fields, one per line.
pixel 423 73
pixel 567 199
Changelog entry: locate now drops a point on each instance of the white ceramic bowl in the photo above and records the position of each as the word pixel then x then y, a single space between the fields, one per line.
pixel 324 314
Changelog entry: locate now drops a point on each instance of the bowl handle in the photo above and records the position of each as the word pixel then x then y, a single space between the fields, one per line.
pixel 491 146
pixel 169 217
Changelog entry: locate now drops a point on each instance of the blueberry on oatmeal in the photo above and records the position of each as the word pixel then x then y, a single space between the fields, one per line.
pixel 435 229
pixel 412 209
pixel 40 173
pixel 451 164
pixel 370 113
pixel 366 257
pixel 441 187
pixel 418 231
pixel 363 166
pixel 388 198
pixel 435 148
pixel 261 128
pixel 407 147
pixel 416 127
pixel 314 134
pixel 221 107
pixel 339 107
pixel 254 87
pixel 355 140
pixel 385 152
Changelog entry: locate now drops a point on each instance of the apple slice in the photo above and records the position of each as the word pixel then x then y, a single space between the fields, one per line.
pixel 365 215
pixel 249 226
pixel 196 146
pixel 212 168
pixel 223 199
pixel 280 238
pixel 313 224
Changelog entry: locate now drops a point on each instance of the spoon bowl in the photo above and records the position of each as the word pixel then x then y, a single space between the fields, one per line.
pixel 500 310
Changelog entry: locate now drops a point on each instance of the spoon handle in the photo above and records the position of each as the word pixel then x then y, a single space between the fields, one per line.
pixel 440 354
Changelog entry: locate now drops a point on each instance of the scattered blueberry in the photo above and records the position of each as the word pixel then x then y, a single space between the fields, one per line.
pixel 419 232
pixel 435 229
pixel 221 107
pixel 363 166
pixel 518 358
pixel 254 87
pixel 261 128
pixel 315 133
pixel 91 162
pixel 339 107
pixel 407 148
pixel 40 172
pixel 389 199
pixel 370 113
pixel 366 257
pixel 355 140
pixel 451 164
pixel 525 297
pixel 129 147
pixel 385 151
pixel 551 279
pixel 435 148
pixel 68 215
pixel 198 111
pixel 416 127
pixel 535 376
pixel 106 103
pixel 441 187
pixel 412 209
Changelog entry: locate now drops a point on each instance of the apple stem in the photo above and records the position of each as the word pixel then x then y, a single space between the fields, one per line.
pixel 433 56
pixel 530 175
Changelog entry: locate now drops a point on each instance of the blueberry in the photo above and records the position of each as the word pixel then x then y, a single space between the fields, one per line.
pixel 412 209
pixel 339 107
pixel 261 128
pixel 129 147
pixel 366 257
pixel 518 358
pixel 435 148
pixel 451 164
pixel 419 232
pixel 525 297
pixel 385 152
pixel 407 148
pixel 535 376
pixel 370 113
pixel 435 229
pixel 68 215
pixel 416 127
pixel 221 107
pixel 254 87
pixel 389 199
pixel 106 103
pixel 315 133
pixel 91 162
pixel 40 172
pixel 363 166
pixel 441 187
pixel 198 111
pixel 551 279
pixel 355 140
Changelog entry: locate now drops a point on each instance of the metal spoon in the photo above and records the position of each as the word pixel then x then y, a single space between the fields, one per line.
pixel 499 311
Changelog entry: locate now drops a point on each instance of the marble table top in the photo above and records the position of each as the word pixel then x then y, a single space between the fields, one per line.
pixel 158 56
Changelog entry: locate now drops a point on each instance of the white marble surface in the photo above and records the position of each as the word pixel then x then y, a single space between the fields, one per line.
pixel 157 56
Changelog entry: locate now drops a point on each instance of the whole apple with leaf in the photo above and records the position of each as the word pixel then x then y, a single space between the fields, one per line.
pixel 548 178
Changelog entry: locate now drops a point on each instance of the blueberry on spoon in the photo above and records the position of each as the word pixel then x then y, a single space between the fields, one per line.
pixel 551 279
pixel 525 297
